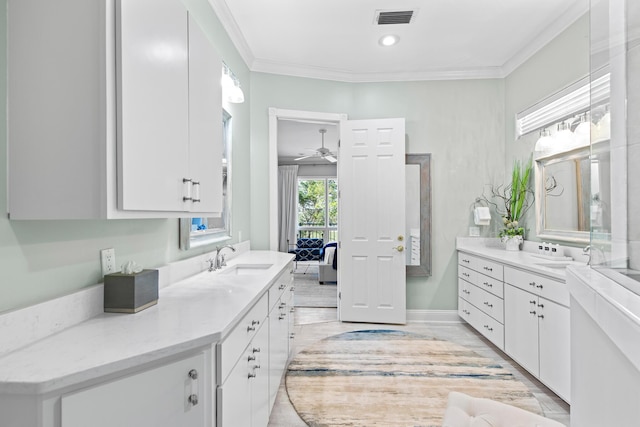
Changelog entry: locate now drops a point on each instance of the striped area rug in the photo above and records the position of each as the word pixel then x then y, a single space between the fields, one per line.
pixel 393 378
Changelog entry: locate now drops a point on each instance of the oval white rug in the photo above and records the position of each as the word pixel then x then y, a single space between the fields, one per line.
pixel 393 378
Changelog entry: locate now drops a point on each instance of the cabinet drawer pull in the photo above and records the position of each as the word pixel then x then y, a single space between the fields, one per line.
pixel 488 268
pixel 256 350
pixel 465 274
pixel 283 304
pixel 250 358
pixel 539 286
pixel 541 305
pixel 466 260
pixel 282 316
pixel 255 322
pixel 193 399
pixel 251 375
pixel 186 199
pixel 251 328
pixel 532 283
pixel 282 286
pixel 532 312
pixel 193 374
pixel 541 316
pixel 488 305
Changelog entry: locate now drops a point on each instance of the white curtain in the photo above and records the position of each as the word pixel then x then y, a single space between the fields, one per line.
pixel 287 205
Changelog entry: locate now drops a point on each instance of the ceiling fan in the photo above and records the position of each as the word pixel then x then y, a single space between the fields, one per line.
pixel 321 152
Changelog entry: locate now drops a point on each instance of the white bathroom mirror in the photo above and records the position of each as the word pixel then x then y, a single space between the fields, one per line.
pixel 418 233
pixel 566 206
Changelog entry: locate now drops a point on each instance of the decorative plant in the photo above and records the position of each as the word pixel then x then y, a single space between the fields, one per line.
pixel 513 199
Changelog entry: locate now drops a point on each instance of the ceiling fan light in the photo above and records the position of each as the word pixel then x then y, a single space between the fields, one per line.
pixel 388 40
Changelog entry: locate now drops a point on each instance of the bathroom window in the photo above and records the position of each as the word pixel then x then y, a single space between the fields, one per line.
pixel 318 208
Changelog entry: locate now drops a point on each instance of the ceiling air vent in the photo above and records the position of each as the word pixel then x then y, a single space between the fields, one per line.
pixel 394 17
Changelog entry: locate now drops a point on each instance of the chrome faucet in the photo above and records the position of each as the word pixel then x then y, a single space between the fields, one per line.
pixel 218 261
pixel 587 252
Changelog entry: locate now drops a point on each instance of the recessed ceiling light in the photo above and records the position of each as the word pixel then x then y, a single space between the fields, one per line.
pixel 388 40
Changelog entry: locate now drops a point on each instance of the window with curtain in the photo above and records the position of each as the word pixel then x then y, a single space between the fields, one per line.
pixel 318 208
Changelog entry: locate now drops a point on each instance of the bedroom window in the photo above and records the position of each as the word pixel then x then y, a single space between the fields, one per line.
pixel 318 208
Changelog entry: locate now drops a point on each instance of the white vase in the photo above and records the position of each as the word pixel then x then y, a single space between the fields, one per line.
pixel 512 243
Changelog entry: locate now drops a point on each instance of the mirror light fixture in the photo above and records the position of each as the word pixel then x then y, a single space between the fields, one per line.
pixel 231 90
pixel 572 100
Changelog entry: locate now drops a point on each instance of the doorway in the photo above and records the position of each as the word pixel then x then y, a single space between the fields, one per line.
pixel 309 140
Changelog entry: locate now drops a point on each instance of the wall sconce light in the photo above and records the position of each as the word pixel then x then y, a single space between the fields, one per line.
pixel 544 144
pixel 231 90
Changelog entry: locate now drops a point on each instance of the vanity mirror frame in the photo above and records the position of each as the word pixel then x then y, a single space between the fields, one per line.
pixel 424 161
pixel 544 233
pixel 189 239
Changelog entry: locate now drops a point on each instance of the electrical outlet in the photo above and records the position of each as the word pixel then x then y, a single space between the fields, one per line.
pixel 108 260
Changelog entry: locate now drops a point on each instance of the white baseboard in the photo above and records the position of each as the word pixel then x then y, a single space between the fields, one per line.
pixel 446 316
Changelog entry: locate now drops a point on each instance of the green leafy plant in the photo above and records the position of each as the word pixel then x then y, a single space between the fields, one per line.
pixel 513 199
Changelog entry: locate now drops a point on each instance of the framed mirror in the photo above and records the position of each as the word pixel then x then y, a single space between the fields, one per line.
pixel 195 232
pixel 566 206
pixel 418 211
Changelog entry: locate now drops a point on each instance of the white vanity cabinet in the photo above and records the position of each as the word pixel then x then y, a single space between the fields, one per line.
pixel 175 394
pixel 280 329
pixel 243 370
pixel 122 124
pixel 480 292
pixel 523 313
pixel 537 327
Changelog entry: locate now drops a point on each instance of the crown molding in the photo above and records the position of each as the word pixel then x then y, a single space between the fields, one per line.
pixel 579 8
pixel 553 30
pixel 233 30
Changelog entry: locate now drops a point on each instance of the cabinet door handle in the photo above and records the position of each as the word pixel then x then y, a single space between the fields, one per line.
pixel 532 312
pixel 193 399
pixel 532 302
pixel 541 305
pixel 187 189
pixel 541 316
pixel 193 374
pixel 196 191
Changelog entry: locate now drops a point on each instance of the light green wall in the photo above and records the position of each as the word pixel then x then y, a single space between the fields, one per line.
pixel 464 124
pixel 40 260
pixel 562 62
pixel 461 123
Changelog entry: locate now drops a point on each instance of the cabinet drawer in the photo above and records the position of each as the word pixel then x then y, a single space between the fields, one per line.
pixel 483 323
pixel 280 285
pixel 467 274
pixel 490 284
pixel 548 288
pixel 488 303
pixel 481 265
pixel 464 289
pixel 232 346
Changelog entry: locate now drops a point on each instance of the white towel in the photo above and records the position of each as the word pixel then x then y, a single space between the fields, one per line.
pixel 329 253
pixel 482 215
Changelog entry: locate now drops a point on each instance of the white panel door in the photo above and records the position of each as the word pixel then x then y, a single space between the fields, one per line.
pixel 205 122
pixel 371 177
pixel 153 76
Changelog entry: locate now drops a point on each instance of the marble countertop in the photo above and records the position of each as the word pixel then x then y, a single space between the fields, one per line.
pixel 190 314
pixel 492 249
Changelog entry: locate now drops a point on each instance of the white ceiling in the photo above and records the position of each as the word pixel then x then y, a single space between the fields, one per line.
pixel 297 139
pixel 447 39
pixel 338 40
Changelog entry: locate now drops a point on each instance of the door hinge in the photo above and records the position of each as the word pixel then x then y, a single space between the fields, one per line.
pixel 339 295
pixel 338 143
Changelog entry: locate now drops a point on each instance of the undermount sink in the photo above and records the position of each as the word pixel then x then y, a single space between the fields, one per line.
pixel 556 264
pixel 246 269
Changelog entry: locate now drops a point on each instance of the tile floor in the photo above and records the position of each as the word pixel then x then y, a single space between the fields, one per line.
pixel 313 324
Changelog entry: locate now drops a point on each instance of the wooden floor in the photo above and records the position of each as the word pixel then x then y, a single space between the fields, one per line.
pixel 313 324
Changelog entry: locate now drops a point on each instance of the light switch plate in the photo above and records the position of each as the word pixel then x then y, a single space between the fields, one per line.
pixel 108 261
